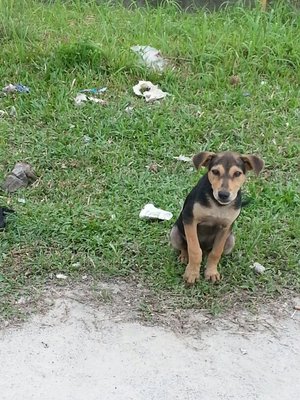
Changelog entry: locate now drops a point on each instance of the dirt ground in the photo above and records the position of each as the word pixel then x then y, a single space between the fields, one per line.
pixel 80 348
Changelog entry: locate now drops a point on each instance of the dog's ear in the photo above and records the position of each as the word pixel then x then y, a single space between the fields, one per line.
pixel 203 159
pixel 253 162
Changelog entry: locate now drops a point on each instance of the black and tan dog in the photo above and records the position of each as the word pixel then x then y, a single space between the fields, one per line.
pixel 205 222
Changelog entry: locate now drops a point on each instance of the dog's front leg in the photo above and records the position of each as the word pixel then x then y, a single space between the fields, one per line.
pixel 211 269
pixel 192 270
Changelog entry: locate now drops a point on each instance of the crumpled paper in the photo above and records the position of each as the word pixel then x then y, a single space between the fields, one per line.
pixel 258 268
pixel 21 176
pixel 149 91
pixel 82 98
pixel 150 56
pixel 61 276
pixel 183 158
pixel 149 211
pixel 16 88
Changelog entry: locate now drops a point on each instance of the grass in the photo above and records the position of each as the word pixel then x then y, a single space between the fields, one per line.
pixel 81 217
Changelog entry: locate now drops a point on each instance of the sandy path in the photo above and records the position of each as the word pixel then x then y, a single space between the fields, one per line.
pixel 77 352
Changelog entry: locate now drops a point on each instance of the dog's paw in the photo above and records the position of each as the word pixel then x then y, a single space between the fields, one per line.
pixel 183 258
pixel 212 275
pixel 191 275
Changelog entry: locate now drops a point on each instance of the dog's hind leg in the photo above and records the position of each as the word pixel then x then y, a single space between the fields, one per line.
pixel 229 244
pixel 179 243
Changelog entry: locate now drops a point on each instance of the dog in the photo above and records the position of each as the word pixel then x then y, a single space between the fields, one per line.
pixel 209 211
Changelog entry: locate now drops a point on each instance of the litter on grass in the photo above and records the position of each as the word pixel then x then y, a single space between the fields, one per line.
pixel 82 98
pixel 149 91
pixel 153 167
pixel 94 90
pixel 3 212
pixel 16 88
pixel 183 158
pixel 61 276
pixel 150 56
pixel 96 100
pixel 12 112
pixel 151 212
pixel 258 268
pixel 87 139
pixel 21 176
pixel 129 109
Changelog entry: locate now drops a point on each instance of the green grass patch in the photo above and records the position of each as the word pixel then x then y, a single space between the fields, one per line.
pixel 82 215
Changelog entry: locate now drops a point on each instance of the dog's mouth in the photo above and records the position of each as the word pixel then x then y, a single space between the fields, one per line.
pixel 223 201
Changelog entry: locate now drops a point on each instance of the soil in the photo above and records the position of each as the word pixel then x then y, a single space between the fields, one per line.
pixel 101 343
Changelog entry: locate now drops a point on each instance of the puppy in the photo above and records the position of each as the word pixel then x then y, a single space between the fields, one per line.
pixel 209 211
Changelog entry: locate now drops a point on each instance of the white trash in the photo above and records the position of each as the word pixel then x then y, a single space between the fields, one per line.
pixel 150 56
pixel 82 98
pixel 151 212
pixel 183 158
pixel 61 276
pixel 258 268
pixel 149 91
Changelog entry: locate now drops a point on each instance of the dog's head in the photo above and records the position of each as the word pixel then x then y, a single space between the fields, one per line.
pixel 226 172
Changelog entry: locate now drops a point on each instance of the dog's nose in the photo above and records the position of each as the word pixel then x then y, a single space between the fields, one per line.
pixel 223 195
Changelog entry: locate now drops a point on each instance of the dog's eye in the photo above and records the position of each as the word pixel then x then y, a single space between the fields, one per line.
pixel 237 174
pixel 215 172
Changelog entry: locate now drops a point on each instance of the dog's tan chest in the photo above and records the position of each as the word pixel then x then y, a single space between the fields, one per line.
pixel 222 216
